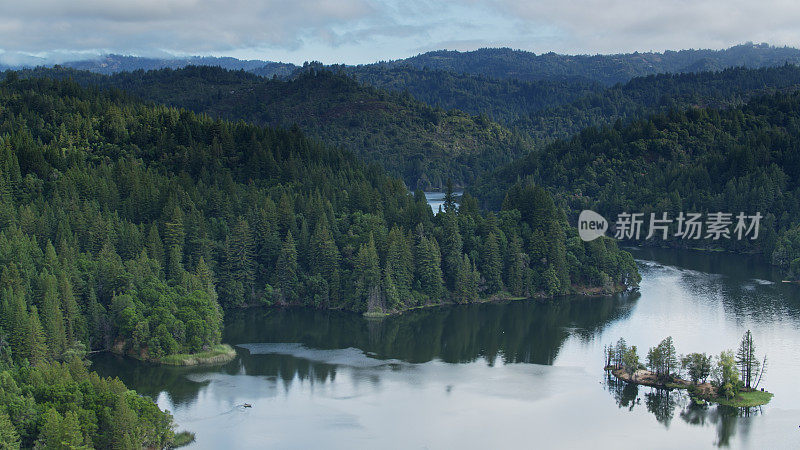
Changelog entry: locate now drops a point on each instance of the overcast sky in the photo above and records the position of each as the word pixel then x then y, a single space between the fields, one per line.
pixel 362 31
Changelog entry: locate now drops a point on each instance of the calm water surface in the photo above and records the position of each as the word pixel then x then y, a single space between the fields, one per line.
pixel 436 199
pixel 519 374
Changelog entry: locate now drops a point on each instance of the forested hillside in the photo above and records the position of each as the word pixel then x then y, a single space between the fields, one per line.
pixel 505 63
pixel 645 96
pixel 425 146
pixel 546 110
pixel 131 227
pixel 504 100
pixel 694 160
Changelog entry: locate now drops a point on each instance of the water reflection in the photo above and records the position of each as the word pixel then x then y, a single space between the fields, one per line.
pixel 663 404
pixel 515 332
pixel 334 377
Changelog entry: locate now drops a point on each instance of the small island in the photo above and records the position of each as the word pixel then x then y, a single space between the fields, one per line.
pixel 218 354
pixel 208 355
pixel 729 379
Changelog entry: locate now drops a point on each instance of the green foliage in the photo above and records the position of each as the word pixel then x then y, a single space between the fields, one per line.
pixel 698 366
pixel 662 359
pixel 630 360
pixel 58 406
pixel 9 438
pixel 726 375
pixel 621 356
pixel 423 145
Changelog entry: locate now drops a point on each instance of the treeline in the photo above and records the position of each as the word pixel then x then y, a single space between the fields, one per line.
pixel 505 63
pixel 697 160
pixel 423 145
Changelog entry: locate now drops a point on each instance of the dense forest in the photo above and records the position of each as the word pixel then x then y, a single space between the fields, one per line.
pixel 702 160
pixel 546 110
pixel 424 145
pixel 428 145
pixel 503 63
pixel 654 94
pixel 132 227
pixel 503 100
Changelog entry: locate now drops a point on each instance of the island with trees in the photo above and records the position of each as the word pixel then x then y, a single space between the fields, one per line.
pixel 729 379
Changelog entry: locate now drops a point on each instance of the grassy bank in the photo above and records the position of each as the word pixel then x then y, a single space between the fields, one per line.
pixel 219 354
pixel 182 439
pixel 745 399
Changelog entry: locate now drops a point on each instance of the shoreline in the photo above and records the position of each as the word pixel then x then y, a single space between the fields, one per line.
pixel 500 297
pixel 505 297
pixel 704 392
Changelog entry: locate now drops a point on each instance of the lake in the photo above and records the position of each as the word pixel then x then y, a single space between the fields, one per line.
pixel 436 199
pixel 517 374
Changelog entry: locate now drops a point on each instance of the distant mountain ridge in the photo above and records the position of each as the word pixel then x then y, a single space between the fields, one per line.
pixel 505 63
pixel 499 63
pixel 113 63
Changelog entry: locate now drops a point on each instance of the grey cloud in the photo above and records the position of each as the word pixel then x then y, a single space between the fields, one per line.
pixel 174 25
pixel 352 30
pixel 610 26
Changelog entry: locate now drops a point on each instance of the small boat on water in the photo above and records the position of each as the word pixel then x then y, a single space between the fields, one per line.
pixel 247 405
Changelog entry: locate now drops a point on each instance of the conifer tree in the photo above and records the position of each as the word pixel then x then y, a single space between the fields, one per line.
pixel 51 316
pixel 325 257
pixel 35 346
pixel 466 281
pixel 155 248
pixel 50 432
pixel 391 292
pixel 452 246
pixel 492 264
pixel 239 260
pixel 70 431
pixel 516 268
pixel 74 322
pixel 206 278
pixel 367 276
pixel 399 256
pixel 16 323
pixel 9 438
pixel 123 421
pixel 287 270
pixel 746 359
pixel 429 268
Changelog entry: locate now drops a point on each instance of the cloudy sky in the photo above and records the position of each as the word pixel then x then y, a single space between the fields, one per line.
pixel 362 31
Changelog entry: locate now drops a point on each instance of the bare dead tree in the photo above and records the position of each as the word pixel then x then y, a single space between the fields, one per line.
pixel 761 372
